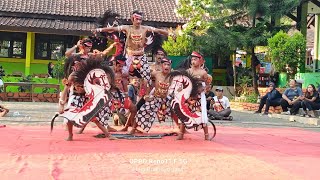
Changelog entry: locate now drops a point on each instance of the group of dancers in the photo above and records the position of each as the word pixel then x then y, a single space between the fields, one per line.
pixel 130 90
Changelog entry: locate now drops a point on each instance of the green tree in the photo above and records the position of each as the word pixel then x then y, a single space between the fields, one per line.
pixel 228 24
pixel 182 46
pixel 287 52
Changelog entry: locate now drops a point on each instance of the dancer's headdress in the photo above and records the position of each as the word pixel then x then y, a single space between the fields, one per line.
pixel 165 59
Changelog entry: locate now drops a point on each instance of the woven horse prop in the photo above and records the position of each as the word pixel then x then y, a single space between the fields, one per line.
pixel 184 92
pixel 81 109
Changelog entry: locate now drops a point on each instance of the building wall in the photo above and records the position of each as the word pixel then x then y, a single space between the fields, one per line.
pixel 29 62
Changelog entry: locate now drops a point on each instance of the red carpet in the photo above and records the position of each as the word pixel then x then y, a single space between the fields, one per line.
pixel 31 152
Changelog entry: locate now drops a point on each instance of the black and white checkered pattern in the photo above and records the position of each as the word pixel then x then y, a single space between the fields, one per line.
pixel 105 113
pixel 145 69
pixel 147 114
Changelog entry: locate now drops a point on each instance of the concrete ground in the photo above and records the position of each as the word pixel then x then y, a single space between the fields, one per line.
pixel 249 147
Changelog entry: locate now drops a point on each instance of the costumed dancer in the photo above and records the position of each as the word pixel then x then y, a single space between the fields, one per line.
pixel 119 102
pixel 135 46
pixel 85 46
pixel 197 71
pixel 88 87
pixel 72 64
pixel 158 54
pixel 155 105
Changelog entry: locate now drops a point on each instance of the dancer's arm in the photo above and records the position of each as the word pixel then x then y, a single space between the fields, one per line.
pixel 160 31
pixel 111 29
pixel 106 51
pixel 69 52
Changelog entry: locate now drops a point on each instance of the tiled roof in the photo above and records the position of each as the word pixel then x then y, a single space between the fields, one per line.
pixel 155 10
pixel 47 25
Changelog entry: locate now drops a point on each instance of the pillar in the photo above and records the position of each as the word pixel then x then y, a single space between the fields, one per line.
pixel 29 52
pixel 316 48
pixel 303 29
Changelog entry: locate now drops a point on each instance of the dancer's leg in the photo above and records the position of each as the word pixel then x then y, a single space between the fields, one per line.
pixel 70 129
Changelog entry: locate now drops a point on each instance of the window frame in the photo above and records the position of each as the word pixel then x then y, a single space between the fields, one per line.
pixel 14 37
pixel 66 41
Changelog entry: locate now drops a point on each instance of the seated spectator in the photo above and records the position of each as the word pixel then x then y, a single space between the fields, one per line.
pixel 209 96
pixel 221 106
pixel 3 111
pixel 310 101
pixel 291 98
pixel 272 98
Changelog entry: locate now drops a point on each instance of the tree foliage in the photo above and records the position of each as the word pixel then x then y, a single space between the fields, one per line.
pixel 182 46
pixel 226 24
pixel 287 51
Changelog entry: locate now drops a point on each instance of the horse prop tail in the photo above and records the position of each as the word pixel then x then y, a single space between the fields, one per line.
pixel 52 121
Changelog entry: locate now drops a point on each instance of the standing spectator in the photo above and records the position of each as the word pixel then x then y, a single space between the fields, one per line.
pixel 272 98
pixel 310 101
pixel 2 72
pixel 50 69
pixel 291 98
pixel 221 107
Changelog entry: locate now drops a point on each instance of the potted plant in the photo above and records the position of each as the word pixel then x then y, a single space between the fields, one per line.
pixel 287 54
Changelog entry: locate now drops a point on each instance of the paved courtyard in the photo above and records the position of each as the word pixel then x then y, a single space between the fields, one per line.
pixel 250 147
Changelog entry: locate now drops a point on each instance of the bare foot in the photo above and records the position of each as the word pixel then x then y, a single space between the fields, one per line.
pixel 70 138
pixel 180 136
pixel 206 137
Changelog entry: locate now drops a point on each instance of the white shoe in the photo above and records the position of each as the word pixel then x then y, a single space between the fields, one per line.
pixel 286 113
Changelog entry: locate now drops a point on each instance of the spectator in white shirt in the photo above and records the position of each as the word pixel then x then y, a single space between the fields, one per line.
pixel 221 106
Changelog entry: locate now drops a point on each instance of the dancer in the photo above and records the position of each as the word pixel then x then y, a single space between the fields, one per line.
pixel 196 70
pixel 156 102
pixel 159 54
pixel 135 43
pixel 118 103
pixel 88 95
pixel 70 65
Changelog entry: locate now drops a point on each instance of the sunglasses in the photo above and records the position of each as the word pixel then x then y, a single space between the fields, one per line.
pixel 218 90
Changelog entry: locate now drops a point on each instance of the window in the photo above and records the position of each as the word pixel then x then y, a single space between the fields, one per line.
pixel 56 49
pixel 17 49
pixel 4 48
pixel 13 45
pixel 51 47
